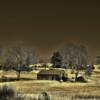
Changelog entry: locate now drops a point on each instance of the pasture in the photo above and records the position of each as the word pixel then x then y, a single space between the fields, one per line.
pixel 31 86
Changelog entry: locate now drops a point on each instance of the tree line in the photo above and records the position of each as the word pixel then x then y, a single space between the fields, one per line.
pixel 19 58
pixel 73 57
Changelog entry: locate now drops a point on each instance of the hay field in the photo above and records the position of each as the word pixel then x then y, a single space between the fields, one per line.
pixel 32 86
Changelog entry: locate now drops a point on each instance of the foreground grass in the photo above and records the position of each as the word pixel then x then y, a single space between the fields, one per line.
pixel 57 90
pixel 54 87
pixel 8 93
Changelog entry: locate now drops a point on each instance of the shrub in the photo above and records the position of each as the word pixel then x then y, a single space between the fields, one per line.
pixel 7 93
pixel 81 79
pixel 43 96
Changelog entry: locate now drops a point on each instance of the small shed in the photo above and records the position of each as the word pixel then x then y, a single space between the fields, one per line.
pixel 51 74
pixel 97 67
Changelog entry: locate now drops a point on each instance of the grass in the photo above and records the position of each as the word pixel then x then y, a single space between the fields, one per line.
pixel 57 90
pixel 8 93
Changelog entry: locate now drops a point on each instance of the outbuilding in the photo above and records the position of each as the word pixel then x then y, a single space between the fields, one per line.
pixel 52 74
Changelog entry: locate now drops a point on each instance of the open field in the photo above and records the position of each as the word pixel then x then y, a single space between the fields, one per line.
pixel 54 88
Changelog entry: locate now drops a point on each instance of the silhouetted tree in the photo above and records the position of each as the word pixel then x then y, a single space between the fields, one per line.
pixel 56 60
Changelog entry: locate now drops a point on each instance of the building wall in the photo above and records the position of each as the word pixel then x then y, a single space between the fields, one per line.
pixel 48 77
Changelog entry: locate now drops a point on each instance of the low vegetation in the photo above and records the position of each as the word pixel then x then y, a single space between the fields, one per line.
pixel 8 93
pixel 33 88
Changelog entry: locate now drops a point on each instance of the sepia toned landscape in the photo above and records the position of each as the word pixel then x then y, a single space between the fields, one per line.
pixel 50 50
pixel 67 74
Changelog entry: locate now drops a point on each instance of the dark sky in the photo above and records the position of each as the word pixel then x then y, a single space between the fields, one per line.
pixel 50 24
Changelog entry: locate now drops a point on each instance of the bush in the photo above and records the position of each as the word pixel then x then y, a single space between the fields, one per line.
pixel 7 93
pixel 43 96
pixel 81 79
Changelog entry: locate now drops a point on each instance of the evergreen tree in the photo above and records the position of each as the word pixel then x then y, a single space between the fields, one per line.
pixel 56 60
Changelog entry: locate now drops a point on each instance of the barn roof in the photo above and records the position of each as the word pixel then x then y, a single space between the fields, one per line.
pixel 51 72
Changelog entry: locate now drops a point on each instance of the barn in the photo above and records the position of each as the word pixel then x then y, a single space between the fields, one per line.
pixel 51 74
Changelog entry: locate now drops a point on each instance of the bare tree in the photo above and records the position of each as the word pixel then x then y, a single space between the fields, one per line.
pixel 19 58
pixel 24 57
pixel 31 56
pixel 97 61
pixel 6 59
pixel 73 54
pixel 76 57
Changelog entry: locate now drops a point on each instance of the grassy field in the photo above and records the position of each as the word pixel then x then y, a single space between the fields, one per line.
pixel 30 86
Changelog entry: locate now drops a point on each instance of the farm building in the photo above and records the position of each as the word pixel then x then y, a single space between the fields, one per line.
pixel 97 67
pixel 52 74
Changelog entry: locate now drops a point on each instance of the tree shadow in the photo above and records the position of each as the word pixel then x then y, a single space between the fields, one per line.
pixel 10 79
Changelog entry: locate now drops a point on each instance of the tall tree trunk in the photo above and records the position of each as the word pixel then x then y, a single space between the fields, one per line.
pixel 18 75
pixel 76 76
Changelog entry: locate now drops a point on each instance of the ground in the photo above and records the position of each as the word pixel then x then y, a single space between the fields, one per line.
pixel 28 84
